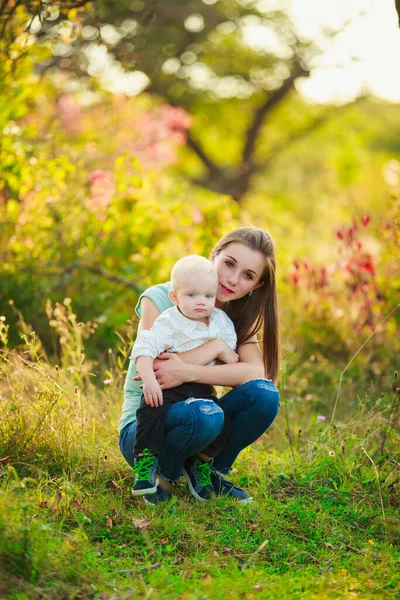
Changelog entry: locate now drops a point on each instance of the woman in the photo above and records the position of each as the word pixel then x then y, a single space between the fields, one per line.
pixel 245 262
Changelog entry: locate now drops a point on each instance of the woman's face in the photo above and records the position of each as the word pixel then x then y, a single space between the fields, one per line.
pixel 239 271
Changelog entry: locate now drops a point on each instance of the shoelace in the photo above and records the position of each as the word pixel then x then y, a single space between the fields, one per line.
pixel 203 468
pixel 144 467
pixel 223 483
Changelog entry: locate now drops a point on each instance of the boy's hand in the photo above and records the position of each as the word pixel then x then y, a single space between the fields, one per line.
pixel 227 355
pixel 152 393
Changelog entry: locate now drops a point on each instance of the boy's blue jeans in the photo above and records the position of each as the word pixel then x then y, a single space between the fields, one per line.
pixel 193 424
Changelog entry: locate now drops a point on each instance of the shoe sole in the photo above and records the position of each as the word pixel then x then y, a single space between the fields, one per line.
pixel 191 488
pixel 144 492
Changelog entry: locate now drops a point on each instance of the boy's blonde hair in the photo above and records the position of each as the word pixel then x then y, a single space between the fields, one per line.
pixel 191 265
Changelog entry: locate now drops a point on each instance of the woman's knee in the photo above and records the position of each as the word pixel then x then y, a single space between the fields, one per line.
pixel 205 417
pixel 265 397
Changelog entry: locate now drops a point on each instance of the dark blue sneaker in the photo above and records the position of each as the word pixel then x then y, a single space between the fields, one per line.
pixel 145 469
pixel 159 496
pixel 197 473
pixel 223 487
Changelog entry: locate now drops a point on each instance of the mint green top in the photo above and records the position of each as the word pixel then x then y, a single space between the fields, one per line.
pixel 132 392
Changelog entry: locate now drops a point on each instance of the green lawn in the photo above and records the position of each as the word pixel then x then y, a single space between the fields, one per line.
pixel 325 521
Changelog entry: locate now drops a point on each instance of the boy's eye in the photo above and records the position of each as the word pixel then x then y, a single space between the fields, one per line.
pixel 209 296
pixel 191 295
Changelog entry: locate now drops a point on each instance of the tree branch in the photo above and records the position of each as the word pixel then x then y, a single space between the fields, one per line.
pixel 270 102
pixel 89 269
pixel 198 150
pixel 397 4
pixel 105 275
pixel 298 135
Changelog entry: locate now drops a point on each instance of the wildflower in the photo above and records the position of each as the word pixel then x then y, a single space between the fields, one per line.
pixel 321 418
pixel 331 453
pixel 371 542
pixel 108 381
pixel 366 220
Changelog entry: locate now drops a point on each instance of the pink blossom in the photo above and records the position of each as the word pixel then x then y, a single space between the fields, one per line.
pixel 108 381
pixel 69 112
pixel 99 174
pixel 160 131
pixel 321 418
pixel 101 190
pixel 175 118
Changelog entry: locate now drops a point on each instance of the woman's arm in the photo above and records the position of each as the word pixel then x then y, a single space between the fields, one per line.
pixel 171 370
pixel 149 313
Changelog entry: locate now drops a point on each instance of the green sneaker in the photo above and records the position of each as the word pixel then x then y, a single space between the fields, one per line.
pixel 223 487
pixel 145 469
pixel 197 472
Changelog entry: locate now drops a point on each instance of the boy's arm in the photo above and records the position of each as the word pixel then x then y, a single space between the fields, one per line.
pixel 151 388
pixel 153 342
pixel 204 354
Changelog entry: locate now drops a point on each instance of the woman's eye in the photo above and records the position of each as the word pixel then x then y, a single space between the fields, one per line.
pixel 229 263
pixel 248 276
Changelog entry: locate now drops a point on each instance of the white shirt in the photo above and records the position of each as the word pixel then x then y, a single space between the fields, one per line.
pixel 173 332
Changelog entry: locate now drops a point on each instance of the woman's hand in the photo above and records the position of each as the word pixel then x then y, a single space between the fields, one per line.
pixel 169 370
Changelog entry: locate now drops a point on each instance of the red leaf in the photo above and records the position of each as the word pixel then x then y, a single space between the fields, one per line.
pixel 164 541
pixel 366 219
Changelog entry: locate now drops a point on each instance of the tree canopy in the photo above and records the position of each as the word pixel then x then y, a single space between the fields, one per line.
pixel 229 63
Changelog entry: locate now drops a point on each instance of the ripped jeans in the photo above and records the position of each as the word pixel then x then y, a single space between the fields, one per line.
pixel 192 425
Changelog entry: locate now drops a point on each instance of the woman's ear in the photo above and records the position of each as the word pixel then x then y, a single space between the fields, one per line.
pixel 212 256
pixel 258 285
pixel 172 296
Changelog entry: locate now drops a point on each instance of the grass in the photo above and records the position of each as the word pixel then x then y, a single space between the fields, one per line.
pixel 325 522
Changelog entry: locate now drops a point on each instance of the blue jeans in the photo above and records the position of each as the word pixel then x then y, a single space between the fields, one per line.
pixel 192 425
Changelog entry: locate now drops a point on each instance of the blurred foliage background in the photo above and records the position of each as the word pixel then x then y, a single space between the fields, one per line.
pixel 135 132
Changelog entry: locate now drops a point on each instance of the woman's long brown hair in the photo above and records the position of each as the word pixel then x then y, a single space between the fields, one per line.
pixel 252 314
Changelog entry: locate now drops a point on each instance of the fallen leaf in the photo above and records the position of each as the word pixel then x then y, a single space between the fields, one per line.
pixel 141 524
pixel 44 504
pixel 164 541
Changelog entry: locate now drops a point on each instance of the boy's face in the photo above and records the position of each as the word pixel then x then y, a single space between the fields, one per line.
pixel 196 297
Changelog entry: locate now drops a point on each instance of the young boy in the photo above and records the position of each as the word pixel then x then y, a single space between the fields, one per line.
pixel 193 321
